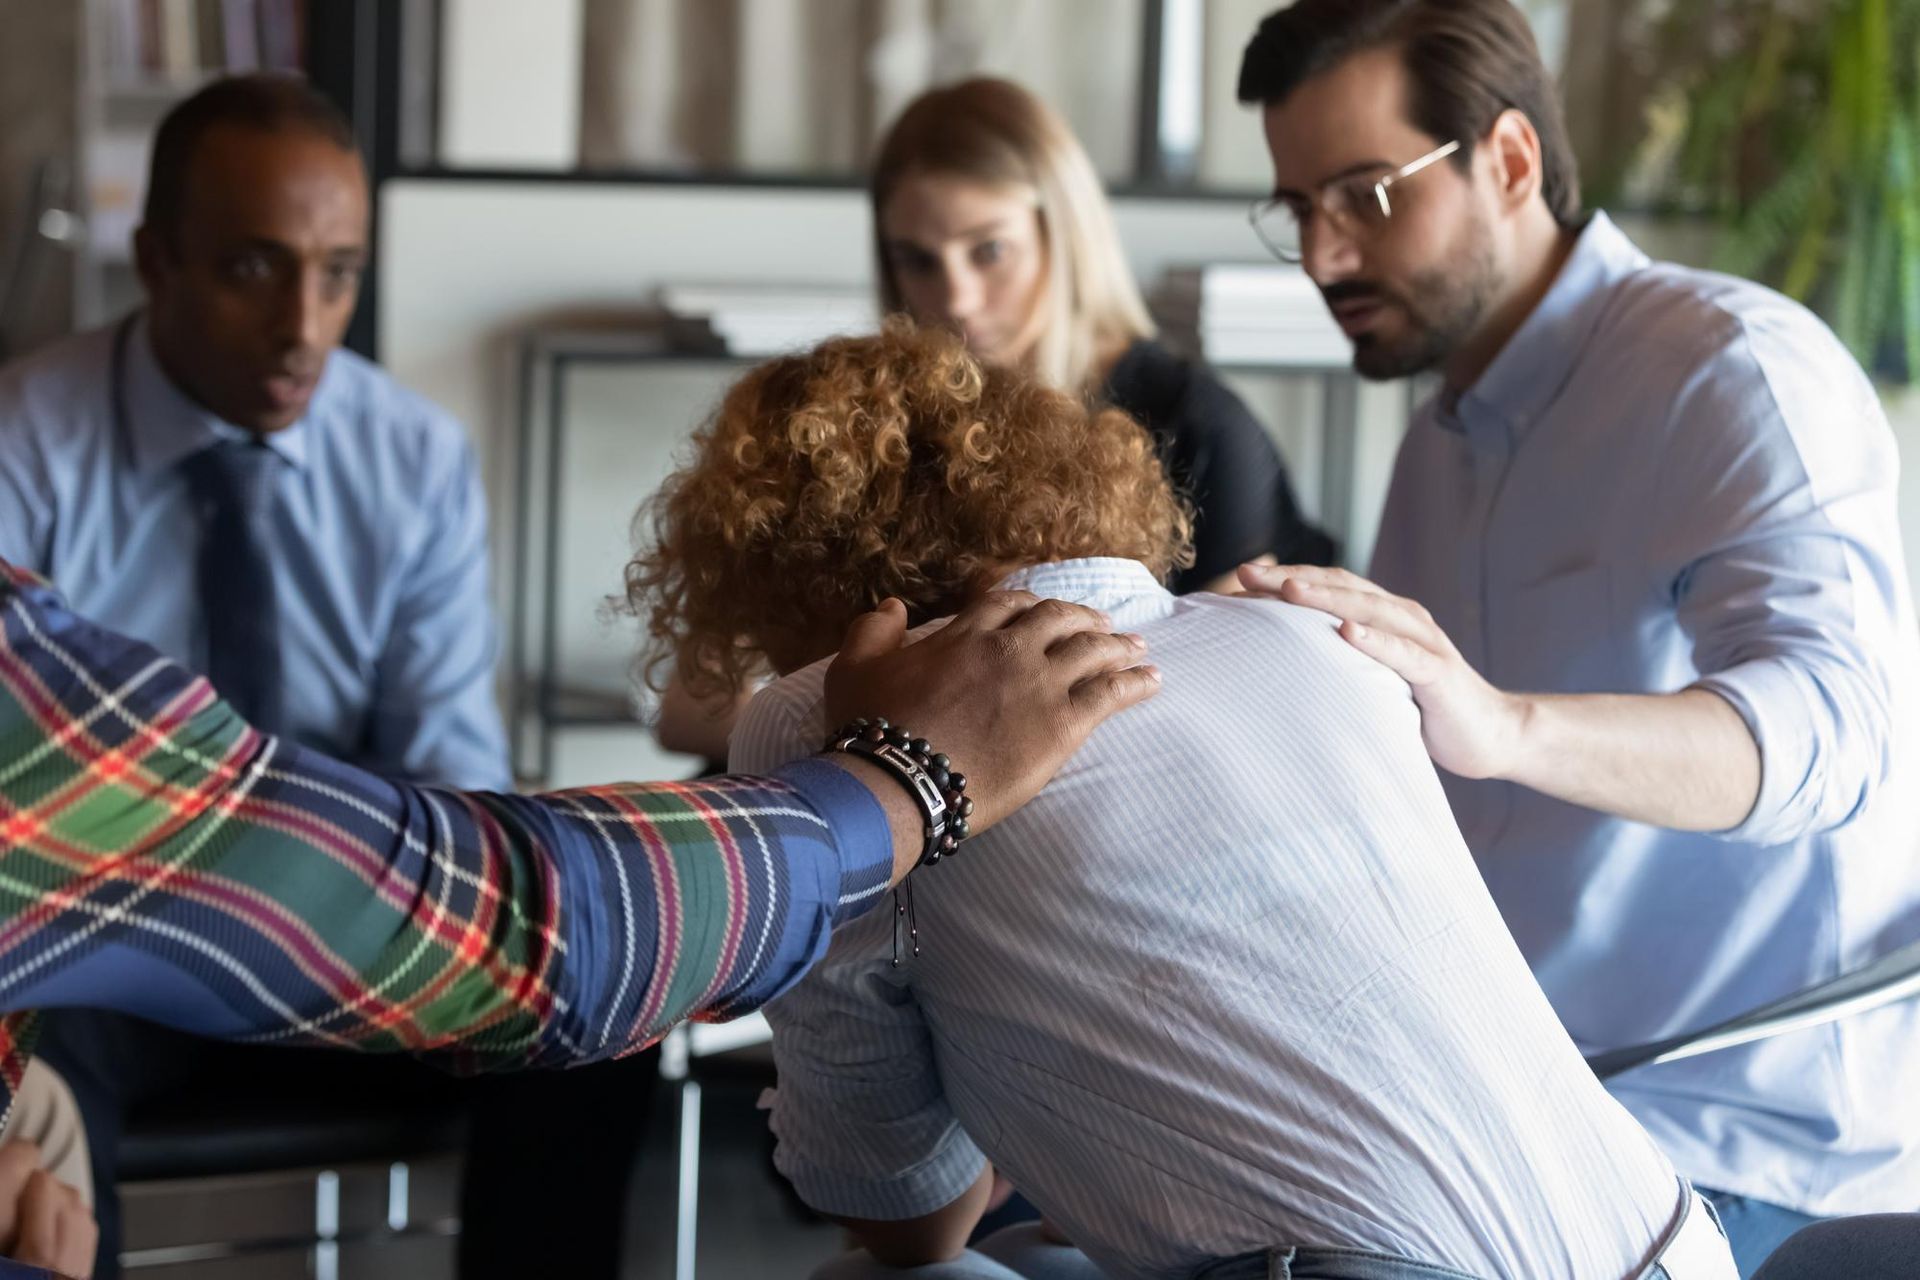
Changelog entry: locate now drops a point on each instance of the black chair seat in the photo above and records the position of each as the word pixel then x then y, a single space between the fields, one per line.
pixel 205 1136
pixel 1884 1246
pixel 751 1065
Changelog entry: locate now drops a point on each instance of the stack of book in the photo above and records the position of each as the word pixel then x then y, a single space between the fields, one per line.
pixel 1250 314
pixel 754 320
pixel 178 41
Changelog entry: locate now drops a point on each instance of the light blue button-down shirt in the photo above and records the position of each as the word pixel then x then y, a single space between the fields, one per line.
pixel 1670 478
pixel 1229 983
pixel 380 544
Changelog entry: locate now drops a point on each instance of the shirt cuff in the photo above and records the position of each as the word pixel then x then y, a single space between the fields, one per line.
pixel 927 1187
pixel 1771 700
pixel 862 835
pixel 26 581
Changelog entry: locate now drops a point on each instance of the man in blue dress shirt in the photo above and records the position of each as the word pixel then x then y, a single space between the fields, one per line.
pixel 1641 563
pixel 214 477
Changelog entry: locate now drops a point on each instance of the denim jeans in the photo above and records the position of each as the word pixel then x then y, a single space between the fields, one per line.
pixel 1695 1249
pixel 1018 1252
pixel 1754 1228
pixel 1021 1253
pixel 1326 1264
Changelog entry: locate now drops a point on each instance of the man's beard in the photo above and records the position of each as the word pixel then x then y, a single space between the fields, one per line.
pixel 1450 306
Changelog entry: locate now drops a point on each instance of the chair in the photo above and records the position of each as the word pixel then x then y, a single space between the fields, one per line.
pixel 693 1054
pixel 243 1135
pixel 1881 1246
pixel 1893 977
pixel 1868 1247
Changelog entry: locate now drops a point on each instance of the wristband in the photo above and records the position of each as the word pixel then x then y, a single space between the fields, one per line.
pixel 938 792
pixel 928 776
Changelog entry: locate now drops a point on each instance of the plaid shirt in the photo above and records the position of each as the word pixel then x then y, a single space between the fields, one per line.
pixel 160 857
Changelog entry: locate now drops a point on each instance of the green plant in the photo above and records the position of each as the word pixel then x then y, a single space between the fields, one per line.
pixel 1796 124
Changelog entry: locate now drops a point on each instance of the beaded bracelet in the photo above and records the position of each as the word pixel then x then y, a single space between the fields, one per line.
pixel 927 775
pixel 939 792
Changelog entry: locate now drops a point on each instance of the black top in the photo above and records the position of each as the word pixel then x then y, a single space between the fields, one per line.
pixel 1218 455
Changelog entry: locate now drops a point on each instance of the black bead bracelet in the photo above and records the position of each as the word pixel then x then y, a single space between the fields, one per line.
pixel 928 776
pixel 936 788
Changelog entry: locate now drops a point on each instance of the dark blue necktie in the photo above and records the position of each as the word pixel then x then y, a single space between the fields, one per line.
pixel 233 486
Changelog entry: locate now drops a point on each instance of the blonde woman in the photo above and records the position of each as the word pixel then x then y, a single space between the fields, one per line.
pixel 989 219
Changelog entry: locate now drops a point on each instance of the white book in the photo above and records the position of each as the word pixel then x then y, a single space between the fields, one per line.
pixel 1277 313
pixel 807 317
pixel 702 300
pixel 1225 282
pixel 761 340
pixel 240 29
pixel 1313 352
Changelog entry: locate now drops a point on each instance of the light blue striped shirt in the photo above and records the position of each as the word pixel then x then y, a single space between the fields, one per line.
pixel 380 543
pixel 1230 982
pixel 1671 478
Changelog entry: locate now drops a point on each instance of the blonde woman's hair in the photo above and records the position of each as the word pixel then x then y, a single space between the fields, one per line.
pixel 995 132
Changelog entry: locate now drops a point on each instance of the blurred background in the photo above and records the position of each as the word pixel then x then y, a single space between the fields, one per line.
pixel 566 189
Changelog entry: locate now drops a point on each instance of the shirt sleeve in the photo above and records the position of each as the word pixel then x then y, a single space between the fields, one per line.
pixel 25 513
pixel 781 727
pixel 434 716
pixel 160 857
pixel 861 1120
pixel 1793 584
pixel 862 1124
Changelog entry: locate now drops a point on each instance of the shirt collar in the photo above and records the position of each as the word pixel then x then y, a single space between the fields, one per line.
pixel 165 426
pixel 1537 360
pixel 1122 589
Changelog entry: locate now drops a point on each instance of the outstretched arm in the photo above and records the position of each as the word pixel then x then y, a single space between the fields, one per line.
pixel 159 856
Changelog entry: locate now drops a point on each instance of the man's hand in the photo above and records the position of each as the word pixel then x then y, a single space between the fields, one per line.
pixel 43 1221
pixel 1471 728
pixel 1683 760
pixel 1008 690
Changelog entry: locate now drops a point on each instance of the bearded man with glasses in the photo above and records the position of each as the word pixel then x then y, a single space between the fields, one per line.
pixel 1641 564
pixel 1358 202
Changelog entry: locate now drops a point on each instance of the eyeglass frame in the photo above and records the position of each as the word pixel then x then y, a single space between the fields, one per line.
pixel 1297 255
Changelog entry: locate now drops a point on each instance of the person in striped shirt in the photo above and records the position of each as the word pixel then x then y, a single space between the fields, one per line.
pixel 1245 1008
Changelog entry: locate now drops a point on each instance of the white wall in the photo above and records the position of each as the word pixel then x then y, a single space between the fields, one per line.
pixel 467 268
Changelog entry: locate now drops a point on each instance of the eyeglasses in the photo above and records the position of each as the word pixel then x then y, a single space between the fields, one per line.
pixel 1355 204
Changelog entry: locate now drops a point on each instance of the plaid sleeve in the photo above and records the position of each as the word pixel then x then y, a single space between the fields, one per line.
pixel 159 856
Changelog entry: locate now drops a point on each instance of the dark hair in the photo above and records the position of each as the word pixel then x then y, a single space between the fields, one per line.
pixel 269 102
pixel 1467 61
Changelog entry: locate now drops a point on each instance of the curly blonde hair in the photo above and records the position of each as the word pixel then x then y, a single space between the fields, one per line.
pixel 892 465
